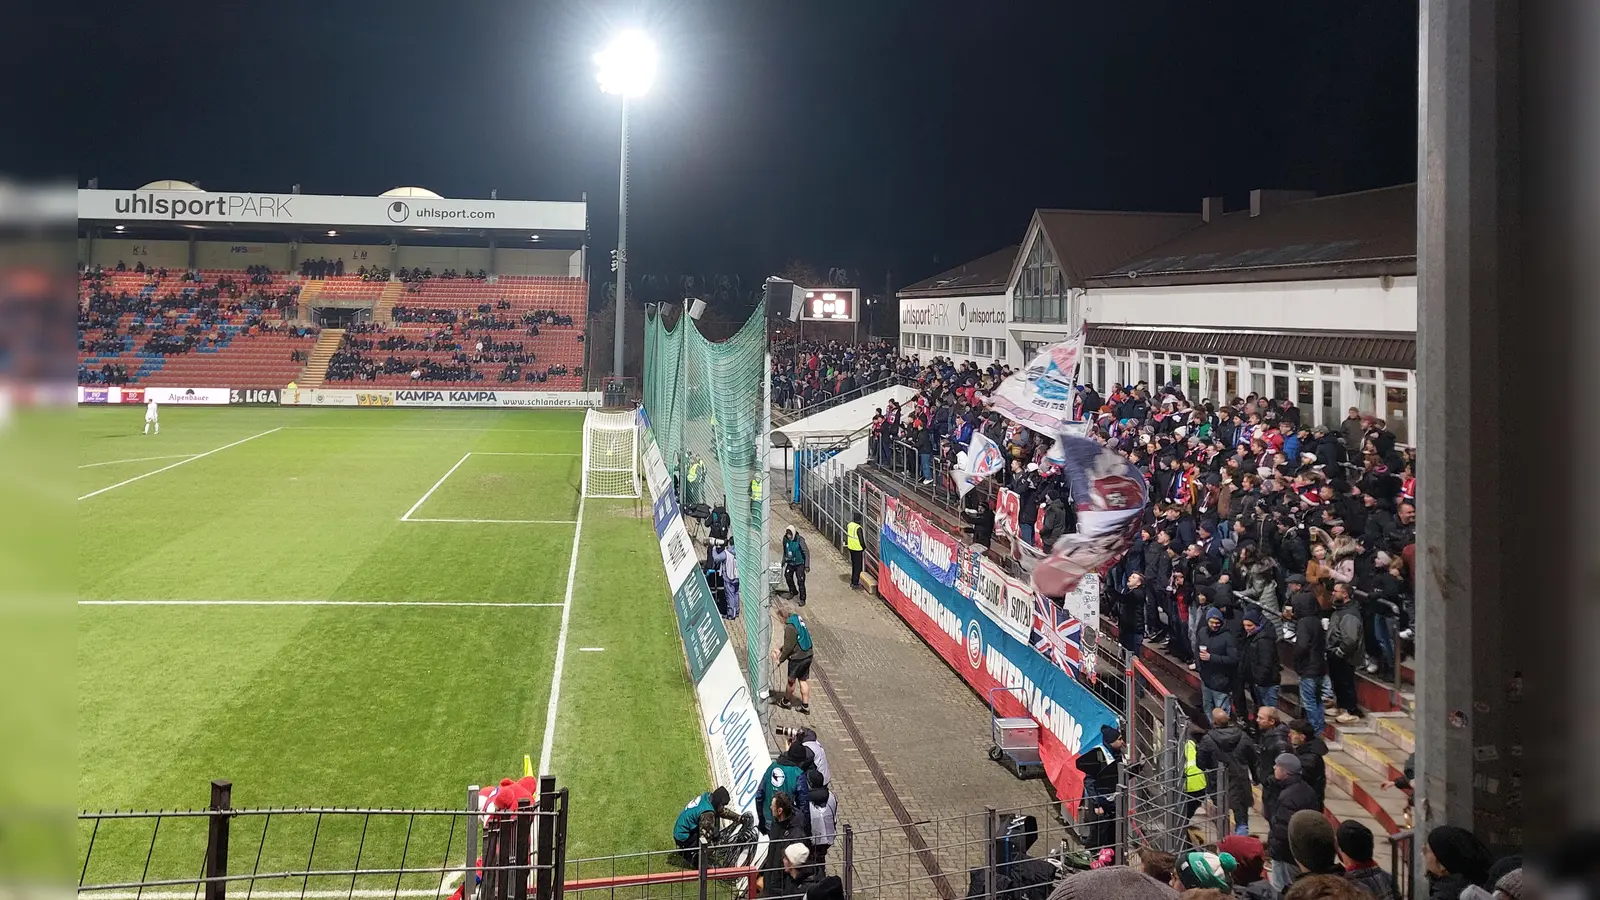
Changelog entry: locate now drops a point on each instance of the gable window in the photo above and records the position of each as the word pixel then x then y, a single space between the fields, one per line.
pixel 1041 291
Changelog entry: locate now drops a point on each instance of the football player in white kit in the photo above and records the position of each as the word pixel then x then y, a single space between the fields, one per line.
pixel 151 417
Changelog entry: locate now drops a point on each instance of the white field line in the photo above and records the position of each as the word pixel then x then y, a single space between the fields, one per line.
pixel 548 747
pixel 591 649
pixel 112 462
pixel 432 603
pixel 179 463
pixel 425 430
pixel 435 487
pixel 501 521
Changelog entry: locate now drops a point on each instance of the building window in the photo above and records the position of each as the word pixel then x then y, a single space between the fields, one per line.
pixel 923 341
pixel 1366 396
pixel 941 343
pixel 983 348
pixel 1397 399
pixel 1041 293
pixel 1100 372
pixel 910 339
pixel 961 346
pixel 1330 412
pixel 1258 377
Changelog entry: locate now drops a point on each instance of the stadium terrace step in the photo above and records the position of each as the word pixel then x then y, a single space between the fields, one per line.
pixel 316 370
pixel 383 310
pixel 1399 730
pixel 310 290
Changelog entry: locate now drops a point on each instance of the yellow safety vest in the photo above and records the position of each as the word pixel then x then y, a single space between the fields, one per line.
pixel 694 470
pixel 852 537
pixel 755 489
pixel 1194 778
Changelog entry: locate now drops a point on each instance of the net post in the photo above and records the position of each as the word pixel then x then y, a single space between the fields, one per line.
pixel 470 868
pixel 990 871
pixel 217 839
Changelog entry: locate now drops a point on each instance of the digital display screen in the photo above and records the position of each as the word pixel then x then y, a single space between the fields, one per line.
pixel 830 304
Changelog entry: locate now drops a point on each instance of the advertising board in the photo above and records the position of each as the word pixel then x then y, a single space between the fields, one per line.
pixel 442 398
pixel 187 396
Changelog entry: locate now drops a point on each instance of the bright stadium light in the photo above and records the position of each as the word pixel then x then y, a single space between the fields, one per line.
pixel 625 68
pixel 627 65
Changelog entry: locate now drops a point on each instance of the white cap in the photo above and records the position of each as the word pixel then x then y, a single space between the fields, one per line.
pixel 797 854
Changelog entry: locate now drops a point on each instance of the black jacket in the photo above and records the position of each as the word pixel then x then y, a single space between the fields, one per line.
pixel 1130 606
pixel 982 520
pixel 1269 743
pixel 1221 671
pixel 1101 768
pixel 1312 769
pixel 1229 749
pixel 1293 795
pixel 1310 637
pixel 1447 887
pixel 1261 656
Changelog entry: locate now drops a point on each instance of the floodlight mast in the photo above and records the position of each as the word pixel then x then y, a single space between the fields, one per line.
pixel 626 67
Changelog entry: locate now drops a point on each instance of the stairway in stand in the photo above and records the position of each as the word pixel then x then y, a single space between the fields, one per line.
pixel 317 366
pixel 310 290
pixel 384 308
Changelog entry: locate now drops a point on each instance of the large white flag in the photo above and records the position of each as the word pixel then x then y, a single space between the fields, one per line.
pixel 1041 396
pixel 981 459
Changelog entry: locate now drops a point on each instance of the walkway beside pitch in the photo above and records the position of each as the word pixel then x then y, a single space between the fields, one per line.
pixel 907 740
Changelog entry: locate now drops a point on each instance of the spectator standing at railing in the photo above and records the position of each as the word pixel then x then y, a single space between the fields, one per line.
pixel 1227 748
pixel 1309 747
pixel 1293 796
pixel 1102 778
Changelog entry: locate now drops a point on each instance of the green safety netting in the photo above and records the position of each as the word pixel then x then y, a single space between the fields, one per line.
pixel 710 409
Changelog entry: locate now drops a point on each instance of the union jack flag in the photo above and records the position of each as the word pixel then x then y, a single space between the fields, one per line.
pixel 1057 635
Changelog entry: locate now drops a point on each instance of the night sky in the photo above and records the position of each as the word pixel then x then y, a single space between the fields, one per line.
pixel 908 135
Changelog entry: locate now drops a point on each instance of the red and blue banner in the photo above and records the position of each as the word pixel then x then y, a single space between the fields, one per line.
pixel 988 656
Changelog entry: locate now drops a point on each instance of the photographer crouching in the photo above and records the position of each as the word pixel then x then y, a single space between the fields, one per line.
pixel 696 826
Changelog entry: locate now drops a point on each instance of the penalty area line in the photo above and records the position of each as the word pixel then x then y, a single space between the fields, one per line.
pixel 500 521
pixel 179 463
pixel 415 506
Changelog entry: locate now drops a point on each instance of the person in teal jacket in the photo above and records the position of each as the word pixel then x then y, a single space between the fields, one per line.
pixel 699 820
pixel 786 775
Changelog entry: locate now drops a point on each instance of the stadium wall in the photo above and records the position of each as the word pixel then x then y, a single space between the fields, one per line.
pixel 172 254
pixel 228 255
pixel 108 252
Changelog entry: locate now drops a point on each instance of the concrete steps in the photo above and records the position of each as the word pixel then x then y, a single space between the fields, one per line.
pixel 383 310
pixel 316 370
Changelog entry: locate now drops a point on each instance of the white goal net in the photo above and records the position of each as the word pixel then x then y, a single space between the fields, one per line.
pixel 610 454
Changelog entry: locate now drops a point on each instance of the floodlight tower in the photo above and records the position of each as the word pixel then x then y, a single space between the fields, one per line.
pixel 626 67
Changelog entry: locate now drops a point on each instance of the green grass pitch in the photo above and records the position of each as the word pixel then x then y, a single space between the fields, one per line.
pixel 380 700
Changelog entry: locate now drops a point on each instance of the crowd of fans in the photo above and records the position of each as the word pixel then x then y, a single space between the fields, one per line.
pixel 322 267
pixel 467 353
pixel 174 317
pixel 416 276
pixel 810 373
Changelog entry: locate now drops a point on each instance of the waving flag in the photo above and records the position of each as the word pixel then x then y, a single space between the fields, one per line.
pixel 1057 635
pixel 981 459
pixel 1041 396
pixel 1109 495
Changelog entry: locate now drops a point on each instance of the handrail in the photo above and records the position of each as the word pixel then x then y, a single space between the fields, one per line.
pixel 855 393
pixel 1147 675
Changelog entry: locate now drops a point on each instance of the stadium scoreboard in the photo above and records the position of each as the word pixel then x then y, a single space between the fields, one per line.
pixel 830 304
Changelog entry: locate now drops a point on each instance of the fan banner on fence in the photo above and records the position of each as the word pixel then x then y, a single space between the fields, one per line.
pixel 981 459
pixel 1057 635
pixel 1006 600
pixel 1109 495
pixel 1007 513
pixel 930 545
pixel 987 656
pixel 1041 396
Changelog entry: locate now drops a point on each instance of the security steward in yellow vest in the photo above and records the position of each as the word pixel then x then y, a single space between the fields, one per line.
pixel 852 543
pixel 1194 777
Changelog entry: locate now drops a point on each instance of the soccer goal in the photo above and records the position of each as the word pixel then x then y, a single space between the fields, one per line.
pixel 610 454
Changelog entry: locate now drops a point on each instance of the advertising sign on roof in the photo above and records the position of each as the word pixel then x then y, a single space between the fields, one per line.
pixel 253 209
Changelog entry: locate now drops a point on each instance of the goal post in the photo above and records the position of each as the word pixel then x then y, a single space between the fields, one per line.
pixel 611 455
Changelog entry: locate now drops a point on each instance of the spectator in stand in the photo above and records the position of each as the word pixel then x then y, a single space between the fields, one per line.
pixel 1218 655
pixel 1227 749
pixel 1455 861
pixel 1345 652
pixel 980 519
pixel 1309 746
pixel 1249 877
pixel 1294 796
pixel 1355 854
pixel 1261 672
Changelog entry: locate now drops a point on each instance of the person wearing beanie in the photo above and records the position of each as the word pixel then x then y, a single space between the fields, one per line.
pixel 1112 883
pixel 1455 859
pixel 1261 671
pixel 1101 767
pixel 1294 796
pixel 1199 869
pixel 1249 875
pixel 831 887
pixel 698 821
pixel 1217 661
pixel 1355 853
pixel 1312 843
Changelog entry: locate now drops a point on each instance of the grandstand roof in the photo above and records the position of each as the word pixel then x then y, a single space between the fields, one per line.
pixel 984 275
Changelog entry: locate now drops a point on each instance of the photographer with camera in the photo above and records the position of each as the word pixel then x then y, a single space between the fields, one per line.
pixel 786 775
pixel 696 825
pixel 807 737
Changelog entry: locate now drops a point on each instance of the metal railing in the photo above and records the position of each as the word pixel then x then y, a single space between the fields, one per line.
pixel 1401 847
pixel 786 414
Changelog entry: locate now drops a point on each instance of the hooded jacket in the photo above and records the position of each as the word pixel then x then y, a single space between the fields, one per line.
pixel 1221 671
pixel 1260 655
pixel 1310 637
pixel 1293 795
pixel 1269 743
pixel 823 808
pixel 1229 749
pixel 1312 769
pixel 785 775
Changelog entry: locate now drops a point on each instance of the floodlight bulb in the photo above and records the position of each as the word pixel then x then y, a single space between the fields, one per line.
pixel 627 65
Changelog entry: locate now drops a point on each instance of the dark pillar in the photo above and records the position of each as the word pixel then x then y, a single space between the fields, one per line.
pixel 1505 219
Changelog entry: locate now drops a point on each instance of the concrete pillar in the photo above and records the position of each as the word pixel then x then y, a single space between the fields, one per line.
pixel 1506 744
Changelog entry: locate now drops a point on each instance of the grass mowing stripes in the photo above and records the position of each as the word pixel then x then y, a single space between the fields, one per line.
pixel 384 706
